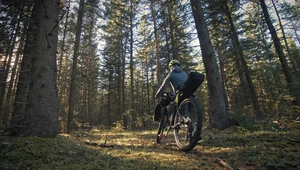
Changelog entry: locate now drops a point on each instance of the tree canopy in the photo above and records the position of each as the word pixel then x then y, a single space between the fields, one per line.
pixel 104 59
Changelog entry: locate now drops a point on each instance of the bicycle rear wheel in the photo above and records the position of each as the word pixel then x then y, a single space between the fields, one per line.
pixel 188 124
pixel 162 126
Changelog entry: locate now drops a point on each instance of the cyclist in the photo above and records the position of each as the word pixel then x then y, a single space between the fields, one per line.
pixel 175 78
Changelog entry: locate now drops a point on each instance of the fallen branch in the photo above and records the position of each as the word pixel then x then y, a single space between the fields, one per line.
pixel 223 163
pixel 106 146
pixel 88 142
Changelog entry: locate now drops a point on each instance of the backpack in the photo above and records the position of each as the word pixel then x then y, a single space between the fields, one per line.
pixel 165 100
pixel 194 80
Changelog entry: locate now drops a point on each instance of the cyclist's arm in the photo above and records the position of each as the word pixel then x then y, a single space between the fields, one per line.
pixel 163 86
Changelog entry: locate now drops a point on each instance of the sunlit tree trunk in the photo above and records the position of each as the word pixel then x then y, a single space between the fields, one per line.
pixel 4 96
pixel 125 117
pixel 61 73
pixel 171 31
pixel 20 102
pixel 74 67
pixel 60 58
pixel 165 29
pixel 119 84
pixel 156 42
pixel 133 112
pixel 148 86
pixel 14 76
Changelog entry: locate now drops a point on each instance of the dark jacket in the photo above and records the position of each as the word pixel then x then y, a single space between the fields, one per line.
pixel 176 78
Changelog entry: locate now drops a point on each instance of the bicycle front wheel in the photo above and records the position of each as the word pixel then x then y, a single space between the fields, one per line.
pixel 188 124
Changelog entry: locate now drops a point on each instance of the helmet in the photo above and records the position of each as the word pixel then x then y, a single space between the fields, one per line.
pixel 173 62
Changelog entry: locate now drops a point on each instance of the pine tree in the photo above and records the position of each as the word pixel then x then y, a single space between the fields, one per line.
pixel 42 111
pixel 73 84
pixel 218 117
pixel 279 51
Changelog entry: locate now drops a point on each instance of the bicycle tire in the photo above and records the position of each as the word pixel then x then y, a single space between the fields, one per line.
pixel 188 117
pixel 161 126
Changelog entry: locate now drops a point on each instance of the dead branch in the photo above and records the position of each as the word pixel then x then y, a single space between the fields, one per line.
pixel 223 163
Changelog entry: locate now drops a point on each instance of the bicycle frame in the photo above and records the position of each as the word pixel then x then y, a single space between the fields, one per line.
pixel 170 118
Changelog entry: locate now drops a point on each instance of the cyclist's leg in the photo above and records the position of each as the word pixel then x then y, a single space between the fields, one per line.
pixel 162 126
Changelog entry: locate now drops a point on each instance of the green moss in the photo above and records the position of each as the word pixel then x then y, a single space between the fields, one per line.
pixel 242 149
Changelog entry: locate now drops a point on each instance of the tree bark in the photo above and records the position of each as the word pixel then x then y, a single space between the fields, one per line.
pixel 42 112
pixel 218 117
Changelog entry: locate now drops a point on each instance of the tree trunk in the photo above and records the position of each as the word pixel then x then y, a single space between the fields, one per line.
pixel 223 79
pixel 251 87
pixel 109 96
pixel 282 30
pixel 7 66
pixel 285 40
pixel 73 85
pixel 148 86
pixel 62 74
pixel 42 112
pixel 167 38
pixel 20 103
pixel 14 76
pixel 295 28
pixel 125 117
pixel 119 84
pixel 279 51
pixel 61 56
pixel 156 43
pixel 218 117
pixel 171 29
pixel 133 112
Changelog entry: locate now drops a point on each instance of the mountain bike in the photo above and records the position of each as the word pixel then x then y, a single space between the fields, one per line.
pixel 184 118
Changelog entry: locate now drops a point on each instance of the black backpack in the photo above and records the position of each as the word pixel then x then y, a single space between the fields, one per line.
pixel 194 80
pixel 165 100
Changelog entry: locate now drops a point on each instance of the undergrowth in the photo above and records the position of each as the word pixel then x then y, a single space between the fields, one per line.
pixel 273 145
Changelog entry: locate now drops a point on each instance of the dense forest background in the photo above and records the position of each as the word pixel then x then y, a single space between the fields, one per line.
pixel 112 56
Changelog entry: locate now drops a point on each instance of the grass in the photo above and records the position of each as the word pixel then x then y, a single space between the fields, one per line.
pixel 120 149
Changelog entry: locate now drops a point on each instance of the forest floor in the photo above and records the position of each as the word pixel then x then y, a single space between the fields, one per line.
pixel 276 146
